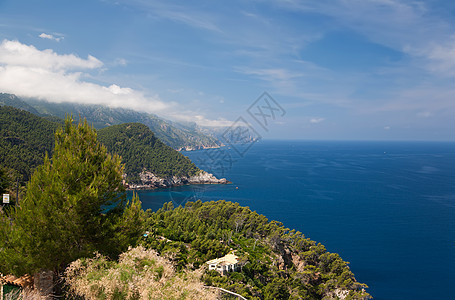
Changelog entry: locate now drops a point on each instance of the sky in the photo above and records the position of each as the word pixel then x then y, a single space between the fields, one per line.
pixel 338 69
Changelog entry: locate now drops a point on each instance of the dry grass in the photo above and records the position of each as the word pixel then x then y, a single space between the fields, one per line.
pixel 139 274
pixel 25 294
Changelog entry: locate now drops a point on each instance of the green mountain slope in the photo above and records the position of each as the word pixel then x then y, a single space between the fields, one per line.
pixel 12 100
pixel 24 140
pixel 275 262
pixel 141 150
pixel 175 135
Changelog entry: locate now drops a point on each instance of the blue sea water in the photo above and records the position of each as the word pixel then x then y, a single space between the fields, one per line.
pixel 386 207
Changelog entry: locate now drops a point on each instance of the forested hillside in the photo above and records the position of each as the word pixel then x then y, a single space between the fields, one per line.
pixel 277 263
pixel 24 140
pixel 14 101
pixel 141 150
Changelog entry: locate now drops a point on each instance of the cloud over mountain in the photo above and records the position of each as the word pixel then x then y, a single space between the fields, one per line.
pixel 29 72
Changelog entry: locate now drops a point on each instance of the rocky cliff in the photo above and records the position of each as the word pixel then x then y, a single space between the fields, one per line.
pixel 151 181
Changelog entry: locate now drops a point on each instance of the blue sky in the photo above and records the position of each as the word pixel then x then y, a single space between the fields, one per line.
pixel 341 69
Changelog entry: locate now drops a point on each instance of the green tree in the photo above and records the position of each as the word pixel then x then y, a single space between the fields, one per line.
pixel 277 289
pixel 75 204
pixel 4 180
pixel 24 139
pixel 142 150
pixel 130 227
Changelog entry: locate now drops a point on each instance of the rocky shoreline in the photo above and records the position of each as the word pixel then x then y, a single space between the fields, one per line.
pixel 189 148
pixel 151 181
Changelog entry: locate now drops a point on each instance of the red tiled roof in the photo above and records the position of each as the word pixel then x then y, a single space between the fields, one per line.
pixel 24 281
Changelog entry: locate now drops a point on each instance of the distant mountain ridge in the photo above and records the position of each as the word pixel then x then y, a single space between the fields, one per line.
pixel 14 101
pixel 25 138
pixel 178 136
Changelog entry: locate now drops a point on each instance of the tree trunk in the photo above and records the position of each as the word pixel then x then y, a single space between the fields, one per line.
pixel 44 283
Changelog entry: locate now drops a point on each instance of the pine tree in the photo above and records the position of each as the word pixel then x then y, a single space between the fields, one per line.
pixel 74 205
pixel 4 181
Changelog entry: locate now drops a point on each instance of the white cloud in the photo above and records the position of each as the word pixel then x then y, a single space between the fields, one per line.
pixel 14 53
pixel 116 90
pixel 44 74
pixel 316 120
pixel 50 37
pixel 201 120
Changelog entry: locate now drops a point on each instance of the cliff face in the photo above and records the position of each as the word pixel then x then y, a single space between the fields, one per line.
pixel 151 181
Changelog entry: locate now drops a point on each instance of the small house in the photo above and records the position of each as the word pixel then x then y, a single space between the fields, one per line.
pixel 11 285
pixel 227 263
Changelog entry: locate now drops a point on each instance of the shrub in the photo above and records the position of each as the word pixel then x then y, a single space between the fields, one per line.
pixel 139 274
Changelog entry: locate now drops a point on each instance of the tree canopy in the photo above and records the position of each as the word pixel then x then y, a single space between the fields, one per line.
pixel 141 150
pixel 24 140
pixel 277 263
pixel 4 180
pixel 75 204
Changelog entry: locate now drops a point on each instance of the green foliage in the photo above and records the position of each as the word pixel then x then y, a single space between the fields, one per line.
pixel 130 227
pixel 277 289
pixel 4 181
pixel 24 140
pixel 277 263
pixel 141 150
pixel 74 205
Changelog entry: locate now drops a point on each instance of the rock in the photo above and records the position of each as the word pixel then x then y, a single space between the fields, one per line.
pixel 151 181
pixel 206 178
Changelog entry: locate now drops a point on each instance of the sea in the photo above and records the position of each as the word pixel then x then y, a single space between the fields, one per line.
pixel 388 208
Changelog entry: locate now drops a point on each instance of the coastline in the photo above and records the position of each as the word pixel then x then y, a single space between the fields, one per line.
pixel 198 148
pixel 150 181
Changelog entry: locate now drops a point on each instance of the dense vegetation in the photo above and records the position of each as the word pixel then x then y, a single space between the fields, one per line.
pixel 4 181
pixel 75 204
pixel 141 150
pixel 278 263
pixel 24 140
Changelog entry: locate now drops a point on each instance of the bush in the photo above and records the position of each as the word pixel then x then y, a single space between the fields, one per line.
pixel 139 274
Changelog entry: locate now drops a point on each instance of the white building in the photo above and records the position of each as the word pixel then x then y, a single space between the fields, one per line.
pixel 227 263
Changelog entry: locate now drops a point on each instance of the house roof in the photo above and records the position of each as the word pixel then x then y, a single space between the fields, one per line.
pixel 228 259
pixel 23 281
